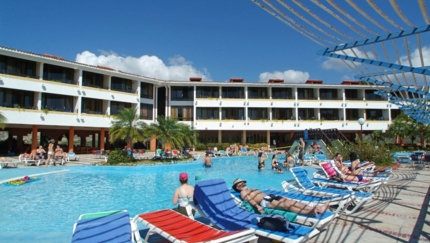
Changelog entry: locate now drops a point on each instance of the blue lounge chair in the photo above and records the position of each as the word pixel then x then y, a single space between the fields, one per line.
pixel 215 201
pixel 320 222
pixel 112 226
pixel 306 186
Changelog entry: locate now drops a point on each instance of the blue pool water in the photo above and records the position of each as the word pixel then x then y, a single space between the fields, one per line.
pixel 47 209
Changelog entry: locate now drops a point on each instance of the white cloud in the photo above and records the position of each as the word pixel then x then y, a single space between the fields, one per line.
pixel 289 76
pixel 149 66
pixel 415 57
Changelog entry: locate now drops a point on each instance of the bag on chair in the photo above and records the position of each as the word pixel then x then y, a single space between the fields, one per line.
pixel 274 222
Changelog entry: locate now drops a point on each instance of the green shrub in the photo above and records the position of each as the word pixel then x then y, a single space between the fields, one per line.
pixel 119 156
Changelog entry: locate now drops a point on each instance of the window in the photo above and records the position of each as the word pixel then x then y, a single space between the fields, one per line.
pixel 121 84
pixel 115 107
pixel 207 92
pixel 232 93
pixel 146 90
pixel 370 95
pixel 282 93
pixel 258 114
pixel 18 67
pixel 182 93
pixel 91 106
pixel 207 113
pixel 328 94
pixel 282 113
pixel 232 113
pixel 330 114
pixel 257 93
pixel 58 74
pixel 16 98
pixel 146 111
pixel 57 102
pixel 182 113
pixel 92 79
pixel 307 94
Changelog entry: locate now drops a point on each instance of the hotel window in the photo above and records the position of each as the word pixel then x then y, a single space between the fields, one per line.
pixel 352 114
pixel 121 84
pixel 57 102
pixel 91 106
pixel 307 114
pixel 17 67
pixel 207 113
pixel 370 95
pixel 232 93
pixel 330 114
pixel 282 113
pixel 116 107
pixel 146 111
pixel 182 93
pixel 328 94
pixel 373 114
pixel 351 94
pixel 16 98
pixel 257 93
pixel 232 113
pixel 258 114
pixel 92 79
pixel 305 94
pixel 58 74
pixel 146 90
pixel 282 93
pixel 207 92
pixel 182 113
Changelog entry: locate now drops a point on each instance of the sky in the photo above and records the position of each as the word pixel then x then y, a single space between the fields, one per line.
pixel 170 40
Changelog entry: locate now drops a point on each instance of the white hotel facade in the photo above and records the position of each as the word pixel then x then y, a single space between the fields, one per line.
pixel 45 95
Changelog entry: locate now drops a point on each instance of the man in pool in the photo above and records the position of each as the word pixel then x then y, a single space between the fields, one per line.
pixel 258 200
pixel 207 161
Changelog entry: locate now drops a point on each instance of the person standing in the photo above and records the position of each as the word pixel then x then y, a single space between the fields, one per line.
pixel 261 161
pixel 183 195
pixel 274 143
pixel 50 152
pixel 302 146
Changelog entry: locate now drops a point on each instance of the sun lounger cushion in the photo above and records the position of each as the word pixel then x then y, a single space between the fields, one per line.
pixel 329 169
pixel 113 228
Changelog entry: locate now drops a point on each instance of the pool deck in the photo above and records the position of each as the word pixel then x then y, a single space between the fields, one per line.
pixel 399 211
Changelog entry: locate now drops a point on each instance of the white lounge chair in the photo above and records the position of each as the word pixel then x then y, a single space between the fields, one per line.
pixel 8 161
pixel 28 161
pixel 71 156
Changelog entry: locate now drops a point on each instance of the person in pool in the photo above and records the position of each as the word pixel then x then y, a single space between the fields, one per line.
pixel 261 160
pixel 258 200
pixel 208 161
pixel 183 194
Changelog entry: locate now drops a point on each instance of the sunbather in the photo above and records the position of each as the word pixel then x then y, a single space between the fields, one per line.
pixel 352 173
pixel 258 199
pixel 40 152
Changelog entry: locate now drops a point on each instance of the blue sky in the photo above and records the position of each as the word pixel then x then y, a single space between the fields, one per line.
pixel 172 40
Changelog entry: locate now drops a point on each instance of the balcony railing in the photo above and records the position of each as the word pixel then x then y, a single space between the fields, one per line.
pixel 19 74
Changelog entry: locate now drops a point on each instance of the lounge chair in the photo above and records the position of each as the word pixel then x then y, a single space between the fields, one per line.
pixel 320 222
pixel 367 170
pixel 304 184
pixel 71 156
pixel 112 226
pixel 326 181
pixel 176 154
pixel 176 227
pixel 223 153
pixel 244 152
pixel 8 161
pixel 215 201
pixel 28 161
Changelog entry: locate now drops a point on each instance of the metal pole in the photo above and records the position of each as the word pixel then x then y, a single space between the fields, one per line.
pixel 361 134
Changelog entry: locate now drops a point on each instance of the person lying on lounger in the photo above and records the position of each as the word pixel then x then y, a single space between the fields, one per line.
pixel 258 200
pixel 347 174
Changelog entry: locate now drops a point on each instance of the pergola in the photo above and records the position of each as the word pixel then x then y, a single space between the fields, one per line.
pixel 386 43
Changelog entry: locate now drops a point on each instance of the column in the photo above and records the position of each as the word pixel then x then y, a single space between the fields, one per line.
pixel 153 144
pixel 34 137
pixel 244 137
pixel 219 136
pixel 71 138
pixel 268 138
pixel 102 138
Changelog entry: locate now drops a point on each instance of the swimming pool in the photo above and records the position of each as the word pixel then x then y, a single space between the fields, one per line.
pixel 47 209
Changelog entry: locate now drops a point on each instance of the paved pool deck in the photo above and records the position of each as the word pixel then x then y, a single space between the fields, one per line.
pixel 399 211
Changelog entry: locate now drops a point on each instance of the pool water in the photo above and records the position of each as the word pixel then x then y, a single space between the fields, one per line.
pixel 47 209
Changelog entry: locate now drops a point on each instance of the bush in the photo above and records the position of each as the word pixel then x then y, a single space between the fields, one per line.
pixel 119 156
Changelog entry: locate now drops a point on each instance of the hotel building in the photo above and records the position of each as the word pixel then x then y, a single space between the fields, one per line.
pixel 45 96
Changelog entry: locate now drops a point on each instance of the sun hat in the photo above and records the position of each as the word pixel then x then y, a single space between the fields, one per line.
pixel 183 176
pixel 237 181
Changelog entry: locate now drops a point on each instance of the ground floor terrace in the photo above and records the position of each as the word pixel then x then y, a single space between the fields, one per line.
pixel 82 140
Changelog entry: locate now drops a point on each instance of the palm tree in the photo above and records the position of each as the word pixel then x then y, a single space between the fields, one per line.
pixel 3 121
pixel 127 126
pixel 169 131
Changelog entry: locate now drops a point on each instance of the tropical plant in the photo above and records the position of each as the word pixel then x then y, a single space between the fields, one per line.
pixel 3 121
pixel 126 126
pixel 169 131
